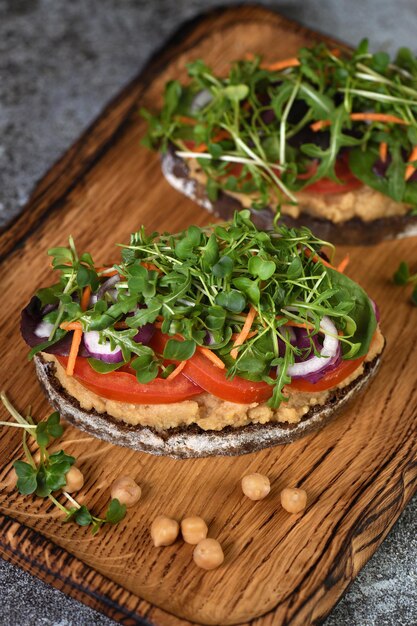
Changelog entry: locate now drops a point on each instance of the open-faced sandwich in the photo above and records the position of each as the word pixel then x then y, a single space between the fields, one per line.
pixel 221 340
pixel 329 138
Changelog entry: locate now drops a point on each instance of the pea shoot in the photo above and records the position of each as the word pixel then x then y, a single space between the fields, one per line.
pixel 46 478
pixel 199 287
pixel 268 131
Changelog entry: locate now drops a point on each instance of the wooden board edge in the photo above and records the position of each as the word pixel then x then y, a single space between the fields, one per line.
pixel 27 548
pixel 77 162
pixel 80 158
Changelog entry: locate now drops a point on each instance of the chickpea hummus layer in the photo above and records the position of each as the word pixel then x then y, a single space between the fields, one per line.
pixel 364 203
pixel 205 410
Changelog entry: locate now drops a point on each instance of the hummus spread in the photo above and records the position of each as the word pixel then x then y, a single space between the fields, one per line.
pixel 205 410
pixel 364 203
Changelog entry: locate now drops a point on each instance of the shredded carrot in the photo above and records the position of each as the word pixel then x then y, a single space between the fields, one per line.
pixel 177 370
pixel 240 339
pixel 187 120
pixel 85 298
pixel 251 334
pixel 383 151
pixel 281 65
pixel 75 346
pixel 212 357
pixel 71 326
pixel 151 266
pixel 316 258
pixel 410 169
pixel 294 324
pixel 78 333
pixel 222 134
pixel 248 56
pixel 359 117
pixel 108 271
pixel 343 264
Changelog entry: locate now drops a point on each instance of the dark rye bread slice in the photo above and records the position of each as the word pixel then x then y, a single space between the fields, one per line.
pixel 192 441
pixel 351 232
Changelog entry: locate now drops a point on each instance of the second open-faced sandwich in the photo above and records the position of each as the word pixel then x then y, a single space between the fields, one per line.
pixel 328 138
pixel 221 340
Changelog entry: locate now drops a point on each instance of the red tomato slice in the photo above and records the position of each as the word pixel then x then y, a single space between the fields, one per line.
pixel 329 380
pixel 124 387
pixel 326 185
pixel 213 379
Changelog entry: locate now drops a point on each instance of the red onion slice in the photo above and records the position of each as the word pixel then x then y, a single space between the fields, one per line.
pixel 101 351
pixel 43 330
pixel 328 352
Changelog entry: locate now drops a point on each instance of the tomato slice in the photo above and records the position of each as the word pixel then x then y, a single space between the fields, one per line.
pixel 329 380
pixel 213 379
pixel 124 387
pixel 326 185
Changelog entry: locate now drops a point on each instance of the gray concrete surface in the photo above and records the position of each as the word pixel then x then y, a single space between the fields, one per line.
pixel 60 62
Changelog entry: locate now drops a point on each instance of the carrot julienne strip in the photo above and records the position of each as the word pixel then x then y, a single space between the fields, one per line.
pixel 78 333
pixel 281 65
pixel 71 326
pixel 315 258
pixel 209 354
pixel 383 151
pixel 240 339
pixel 410 169
pixel 177 370
pixel 343 264
pixel 363 117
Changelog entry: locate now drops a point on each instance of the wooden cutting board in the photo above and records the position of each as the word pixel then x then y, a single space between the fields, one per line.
pixel 359 472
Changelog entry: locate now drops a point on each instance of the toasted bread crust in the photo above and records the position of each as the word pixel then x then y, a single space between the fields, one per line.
pixel 351 232
pixel 191 441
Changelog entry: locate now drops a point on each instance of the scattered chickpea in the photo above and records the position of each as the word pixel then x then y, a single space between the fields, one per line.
pixel 194 529
pixel 293 500
pixel 74 480
pixel 164 531
pixel 256 486
pixel 126 490
pixel 208 554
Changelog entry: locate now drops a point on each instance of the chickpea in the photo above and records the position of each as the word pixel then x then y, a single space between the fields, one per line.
pixel 293 500
pixel 256 486
pixel 164 531
pixel 208 554
pixel 74 480
pixel 193 529
pixel 126 490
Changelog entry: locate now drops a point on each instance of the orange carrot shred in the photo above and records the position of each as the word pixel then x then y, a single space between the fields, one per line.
pixel 410 169
pixel 75 346
pixel 383 151
pixel 281 65
pixel 71 326
pixel 343 264
pixel 177 370
pixel 359 117
pixel 85 298
pixel 240 339
pixel 212 357
pixel 316 258
pixel 78 333
pixel 222 134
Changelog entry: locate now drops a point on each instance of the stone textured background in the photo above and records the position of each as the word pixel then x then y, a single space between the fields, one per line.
pixel 60 61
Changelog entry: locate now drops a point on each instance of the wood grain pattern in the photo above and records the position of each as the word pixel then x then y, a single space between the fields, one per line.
pixel 359 472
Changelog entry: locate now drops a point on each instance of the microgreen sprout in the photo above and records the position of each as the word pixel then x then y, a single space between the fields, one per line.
pixel 46 477
pixel 200 284
pixel 253 131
